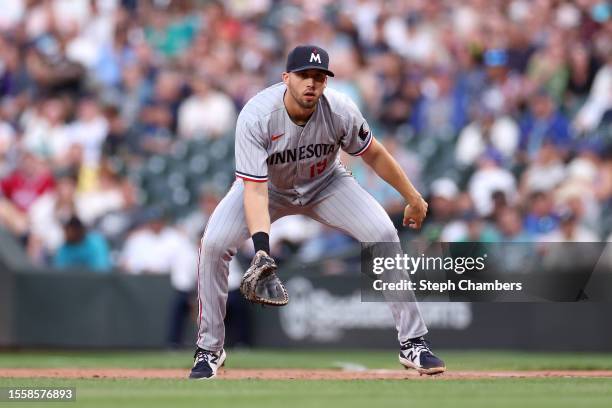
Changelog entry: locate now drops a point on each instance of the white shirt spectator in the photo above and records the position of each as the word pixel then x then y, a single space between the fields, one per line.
pixel 44 222
pixel 169 252
pixel 454 231
pixel 485 182
pixel 211 115
pixel 85 48
pixel 543 177
pixel 44 138
pixel 598 102
pixel 471 144
pixel 96 203
pixel 420 43
pixel 293 228
pixel 90 135
pixel 364 15
pixel 444 187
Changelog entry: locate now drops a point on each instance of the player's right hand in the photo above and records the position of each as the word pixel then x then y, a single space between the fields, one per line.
pixel 415 213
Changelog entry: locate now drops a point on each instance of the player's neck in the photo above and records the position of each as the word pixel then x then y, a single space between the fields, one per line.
pixel 296 113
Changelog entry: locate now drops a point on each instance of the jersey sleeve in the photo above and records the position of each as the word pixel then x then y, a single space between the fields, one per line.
pixel 250 152
pixel 357 135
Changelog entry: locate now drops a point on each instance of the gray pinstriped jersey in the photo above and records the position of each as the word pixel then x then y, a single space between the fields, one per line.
pixel 297 161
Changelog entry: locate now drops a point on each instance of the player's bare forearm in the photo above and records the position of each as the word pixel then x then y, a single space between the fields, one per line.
pixel 387 168
pixel 256 207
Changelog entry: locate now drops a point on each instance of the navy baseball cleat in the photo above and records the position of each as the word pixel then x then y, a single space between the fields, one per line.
pixel 206 363
pixel 415 353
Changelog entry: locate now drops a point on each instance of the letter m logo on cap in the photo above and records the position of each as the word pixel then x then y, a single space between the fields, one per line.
pixel 315 56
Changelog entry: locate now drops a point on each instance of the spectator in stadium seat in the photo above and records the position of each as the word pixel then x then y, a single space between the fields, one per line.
pixel 207 113
pixel 489 178
pixel 169 31
pixel 328 245
pixel 159 248
pixel 135 89
pixel 548 67
pixel 540 217
pixel 599 100
pixel 31 179
pixel 45 130
pixel 545 172
pixel 113 56
pixel 47 216
pixel 89 130
pixel 478 230
pixel 570 229
pixel 509 223
pixel 398 93
pixel 488 130
pixel 106 194
pixel 82 249
pixel 543 123
pixel 503 85
pixel 583 66
pixel 158 117
pixel 516 250
pixel 442 109
pixel 14 80
pixel 442 207
pixel 579 192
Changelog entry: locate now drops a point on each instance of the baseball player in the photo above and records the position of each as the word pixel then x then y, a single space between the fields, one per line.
pixel 288 138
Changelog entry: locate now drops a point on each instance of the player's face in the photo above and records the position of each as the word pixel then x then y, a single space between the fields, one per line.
pixel 306 87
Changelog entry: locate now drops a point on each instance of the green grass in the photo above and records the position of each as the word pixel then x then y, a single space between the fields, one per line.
pixel 154 393
pixel 557 393
pixel 477 360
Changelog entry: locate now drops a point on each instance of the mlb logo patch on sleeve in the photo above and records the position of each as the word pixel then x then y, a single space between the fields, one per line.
pixel 364 132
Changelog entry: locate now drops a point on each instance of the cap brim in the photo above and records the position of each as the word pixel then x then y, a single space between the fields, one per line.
pixel 305 67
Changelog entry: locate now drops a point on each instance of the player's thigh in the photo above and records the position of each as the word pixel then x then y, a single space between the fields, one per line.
pixel 345 205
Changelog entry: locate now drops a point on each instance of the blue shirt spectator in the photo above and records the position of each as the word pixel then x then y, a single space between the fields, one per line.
pixel 82 249
pixel 442 107
pixel 543 124
pixel 540 218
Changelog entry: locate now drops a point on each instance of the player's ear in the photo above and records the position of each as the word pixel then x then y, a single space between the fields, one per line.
pixel 285 78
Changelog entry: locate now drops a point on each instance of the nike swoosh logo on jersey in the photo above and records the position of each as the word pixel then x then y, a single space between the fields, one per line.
pixel 274 137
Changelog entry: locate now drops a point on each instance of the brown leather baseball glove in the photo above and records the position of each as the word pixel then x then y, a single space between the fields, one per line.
pixel 260 283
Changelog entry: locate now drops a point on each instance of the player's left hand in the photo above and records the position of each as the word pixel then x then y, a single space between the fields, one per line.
pixel 260 283
pixel 415 213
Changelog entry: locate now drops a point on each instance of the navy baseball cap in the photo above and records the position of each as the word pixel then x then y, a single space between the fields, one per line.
pixel 305 57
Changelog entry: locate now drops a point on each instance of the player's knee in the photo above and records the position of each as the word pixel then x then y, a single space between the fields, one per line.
pixel 213 246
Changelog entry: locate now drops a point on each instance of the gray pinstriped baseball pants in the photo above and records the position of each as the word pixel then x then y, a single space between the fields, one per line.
pixel 343 204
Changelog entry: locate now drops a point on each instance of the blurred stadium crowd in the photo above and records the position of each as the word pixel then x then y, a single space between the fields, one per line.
pixel 117 118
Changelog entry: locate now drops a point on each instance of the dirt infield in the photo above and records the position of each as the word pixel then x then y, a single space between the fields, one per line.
pixel 287 374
